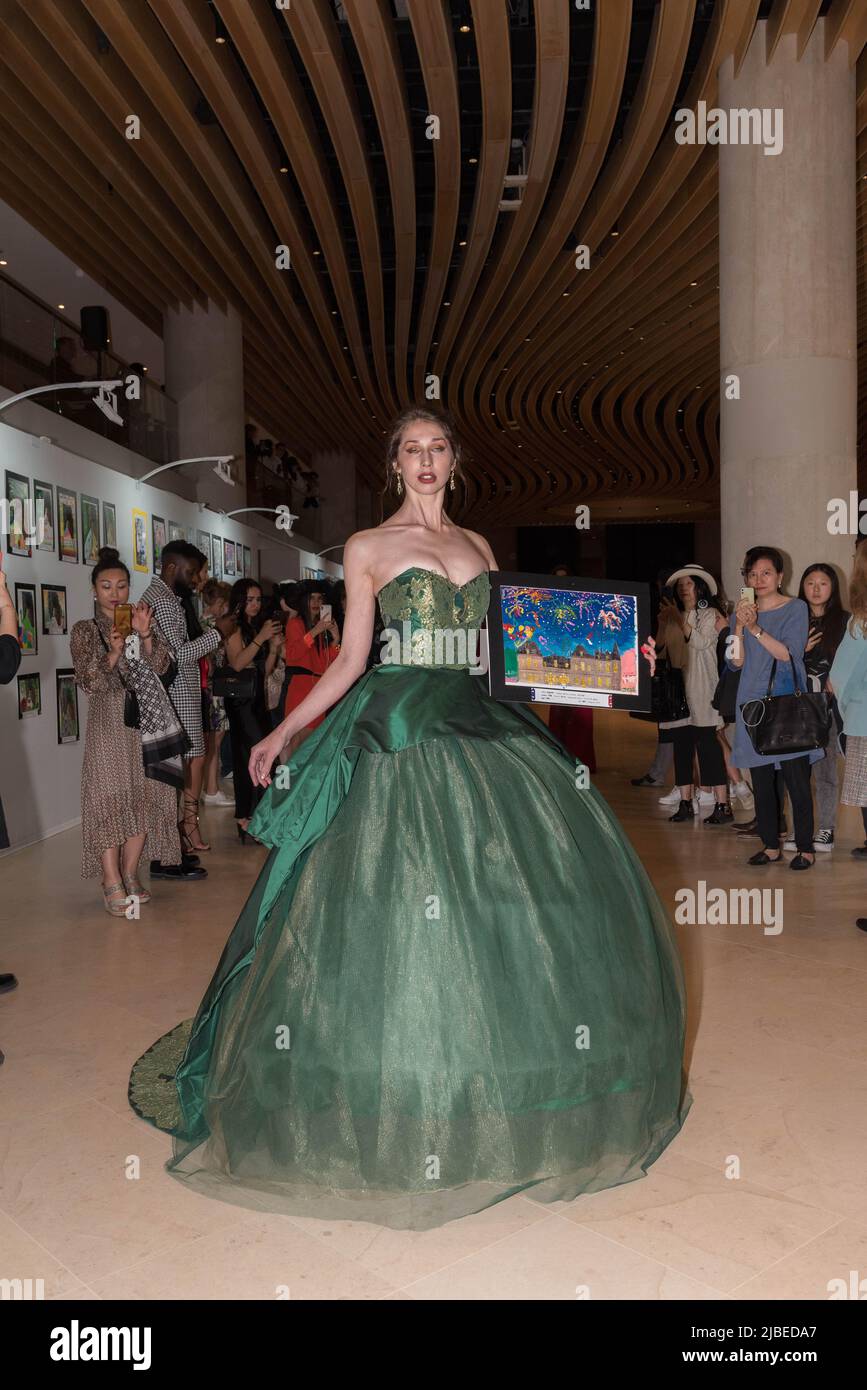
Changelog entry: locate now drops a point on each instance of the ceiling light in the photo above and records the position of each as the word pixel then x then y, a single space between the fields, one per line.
pixel 473 160
pixel 463 243
pixel 465 28
pixel 284 168
pixel 61 306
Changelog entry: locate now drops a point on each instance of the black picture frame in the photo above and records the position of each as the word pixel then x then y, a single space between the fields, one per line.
pixel 64 685
pixel 592 660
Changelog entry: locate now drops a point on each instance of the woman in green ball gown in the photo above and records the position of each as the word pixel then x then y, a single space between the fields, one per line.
pixel 453 980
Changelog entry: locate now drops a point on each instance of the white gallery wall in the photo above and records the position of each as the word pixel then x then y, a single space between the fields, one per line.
pixel 40 778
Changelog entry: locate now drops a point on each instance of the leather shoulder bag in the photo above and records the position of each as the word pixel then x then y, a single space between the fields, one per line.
pixel 795 723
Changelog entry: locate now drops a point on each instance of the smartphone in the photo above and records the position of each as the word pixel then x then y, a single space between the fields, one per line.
pixel 325 613
pixel 748 593
pixel 123 618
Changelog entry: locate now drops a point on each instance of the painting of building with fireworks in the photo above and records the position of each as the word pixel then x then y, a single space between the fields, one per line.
pixel 565 637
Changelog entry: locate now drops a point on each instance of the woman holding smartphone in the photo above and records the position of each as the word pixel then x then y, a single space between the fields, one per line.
pixel 252 647
pixel 312 643
pixel 131 776
pixel 770 627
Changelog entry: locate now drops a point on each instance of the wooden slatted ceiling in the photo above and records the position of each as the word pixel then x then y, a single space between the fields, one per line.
pixel 566 387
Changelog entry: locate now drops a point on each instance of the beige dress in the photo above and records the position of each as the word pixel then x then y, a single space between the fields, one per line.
pixel 117 800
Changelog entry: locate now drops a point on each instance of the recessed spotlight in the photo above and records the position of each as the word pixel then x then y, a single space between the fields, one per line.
pixel 465 29
pixel 462 243
pixel 446 303
pixel 284 168
pixel 2 262
pixel 61 306
pixel 317 253
pixel 472 159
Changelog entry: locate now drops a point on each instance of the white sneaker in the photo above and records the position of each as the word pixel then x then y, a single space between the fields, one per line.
pixel 671 798
pixel 824 840
pixel 790 844
pixel 740 791
pixel 703 798
pixel 218 799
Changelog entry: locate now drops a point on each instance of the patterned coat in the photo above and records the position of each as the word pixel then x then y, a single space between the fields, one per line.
pixel 186 691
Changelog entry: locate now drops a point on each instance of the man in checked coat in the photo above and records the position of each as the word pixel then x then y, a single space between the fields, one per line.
pixel 179 567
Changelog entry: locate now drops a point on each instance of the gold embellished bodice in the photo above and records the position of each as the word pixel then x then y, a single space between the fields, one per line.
pixel 431 621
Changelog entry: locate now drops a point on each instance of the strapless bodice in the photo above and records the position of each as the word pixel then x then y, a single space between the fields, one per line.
pixel 428 620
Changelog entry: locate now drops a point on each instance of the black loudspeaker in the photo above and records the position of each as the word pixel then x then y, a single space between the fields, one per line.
pixel 95 327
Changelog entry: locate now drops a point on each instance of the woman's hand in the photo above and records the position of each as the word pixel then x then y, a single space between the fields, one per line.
pixel 263 755
pixel 829 688
pixel 813 639
pixel 648 651
pixel 268 631
pixel 116 640
pixel 334 630
pixel 318 627
pixel 746 613
pixel 142 616
pixel 669 613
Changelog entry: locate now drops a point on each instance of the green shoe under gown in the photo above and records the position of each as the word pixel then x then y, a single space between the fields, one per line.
pixel 452 981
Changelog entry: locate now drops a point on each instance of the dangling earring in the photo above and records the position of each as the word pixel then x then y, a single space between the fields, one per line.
pixel 452 479
pixel 399 477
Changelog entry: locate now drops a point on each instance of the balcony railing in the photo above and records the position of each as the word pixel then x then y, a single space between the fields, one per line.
pixel 30 331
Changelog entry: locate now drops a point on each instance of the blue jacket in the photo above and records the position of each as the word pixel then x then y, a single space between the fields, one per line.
pixel 848 676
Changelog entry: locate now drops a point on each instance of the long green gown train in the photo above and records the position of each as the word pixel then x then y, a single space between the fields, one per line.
pixel 452 981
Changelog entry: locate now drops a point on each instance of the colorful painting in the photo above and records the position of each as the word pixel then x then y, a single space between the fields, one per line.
pixel 25 607
pixel 54 610
pixel 158 527
pixel 140 541
pixel 67 707
pixel 29 696
pixel 109 525
pixel 67 524
pixel 203 542
pixel 248 561
pixel 19 514
pixel 90 541
pixel 228 559
pixel 583 641
pixel 46 519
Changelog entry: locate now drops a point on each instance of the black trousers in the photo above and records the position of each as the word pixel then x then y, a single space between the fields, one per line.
pixel 795 773
pixel 701 737
pixel 248 725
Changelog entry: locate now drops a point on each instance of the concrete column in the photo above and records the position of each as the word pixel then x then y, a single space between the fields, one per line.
pixel 205 375
pixel 788 328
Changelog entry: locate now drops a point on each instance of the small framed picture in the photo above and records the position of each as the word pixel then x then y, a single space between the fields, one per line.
pixel 67 524
pixel 158 528
pixel 25 606
pixel 217 557
pixel 54 610
pixel 229 558
pixel 89 530
pixel 20 514
pixel 67 707
pixel 29 696
pixel 140 541
pixel 203 542
pixel 248 562
pixel 109 525
pixel 176 532
pixel 46 519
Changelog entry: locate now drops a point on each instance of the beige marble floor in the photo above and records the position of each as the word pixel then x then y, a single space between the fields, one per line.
pixel 778 1065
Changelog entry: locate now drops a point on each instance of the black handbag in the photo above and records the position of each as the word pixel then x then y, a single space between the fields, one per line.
pixel 131 711
pixel 668 693
pixel 235 685
pixel 725 697
pixel 794 723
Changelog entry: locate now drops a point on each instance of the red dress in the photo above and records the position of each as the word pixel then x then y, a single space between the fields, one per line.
pixel 573 725
pixel 312 654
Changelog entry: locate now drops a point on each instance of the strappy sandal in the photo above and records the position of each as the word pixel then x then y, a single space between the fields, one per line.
pixel 187 842
pixel 109 891
pixel 135 888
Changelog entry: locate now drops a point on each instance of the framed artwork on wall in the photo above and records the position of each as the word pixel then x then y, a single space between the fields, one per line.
pixel 46 517
pixel 140 541
pixel 25 607
pixel 67 524
pixel 67 707
pixel 248 562
pixel 19 514
pixel 176 532
pixel 158 527
pixel 109 525
pixel 54 621
pixel 90 541
pixel 229 559
pixel 29 696
pixel 217 557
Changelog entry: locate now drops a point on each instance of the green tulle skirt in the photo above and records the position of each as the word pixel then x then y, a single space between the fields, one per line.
pixel 452 981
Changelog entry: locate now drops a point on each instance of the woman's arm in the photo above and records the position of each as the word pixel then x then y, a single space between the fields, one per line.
pixel 795 628
pixel 342 673
pixel 93 664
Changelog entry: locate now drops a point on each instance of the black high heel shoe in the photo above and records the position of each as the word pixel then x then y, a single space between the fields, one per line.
pixel 242 833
